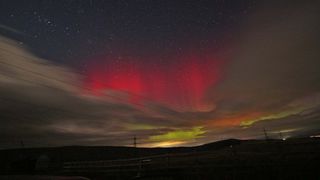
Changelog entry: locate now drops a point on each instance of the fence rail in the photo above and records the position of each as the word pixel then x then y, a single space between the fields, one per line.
pixel 180 160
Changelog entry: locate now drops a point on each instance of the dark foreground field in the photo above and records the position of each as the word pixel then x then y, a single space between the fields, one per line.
pixel 229 159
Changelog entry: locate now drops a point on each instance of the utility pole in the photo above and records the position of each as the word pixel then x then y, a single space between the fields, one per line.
pixel 22 144
pixel 135 141
pixel 265 133
pixel 280 134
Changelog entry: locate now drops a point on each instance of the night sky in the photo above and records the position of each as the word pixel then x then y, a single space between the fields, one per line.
pixel 171 73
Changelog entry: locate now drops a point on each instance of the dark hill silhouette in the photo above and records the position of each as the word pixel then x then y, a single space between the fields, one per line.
pixel 220 144
pixel 232 155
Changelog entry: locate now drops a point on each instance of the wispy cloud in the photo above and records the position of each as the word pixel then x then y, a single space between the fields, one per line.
pixel 271 82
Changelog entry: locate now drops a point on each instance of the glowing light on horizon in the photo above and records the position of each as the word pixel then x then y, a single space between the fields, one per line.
pixel 179 135
pixel 164 144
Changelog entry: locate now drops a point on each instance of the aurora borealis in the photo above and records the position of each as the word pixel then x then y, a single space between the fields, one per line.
pixel 180 84
pixel 171 73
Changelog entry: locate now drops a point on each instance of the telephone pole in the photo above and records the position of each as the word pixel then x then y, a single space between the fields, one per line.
pixel 22 144
pixel 265 133
pixel 135 141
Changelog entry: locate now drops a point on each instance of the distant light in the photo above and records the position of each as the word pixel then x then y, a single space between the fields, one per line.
pixel 315 136
pixel 283 139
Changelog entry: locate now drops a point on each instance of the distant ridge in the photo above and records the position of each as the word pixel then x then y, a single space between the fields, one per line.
pixel 221 144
